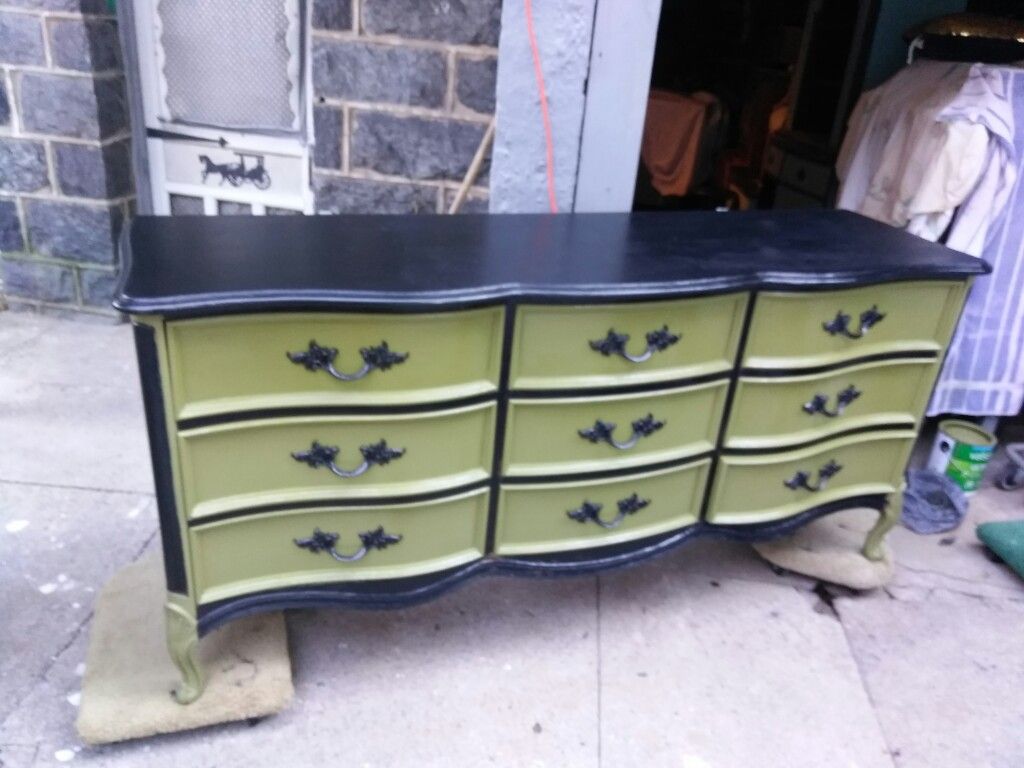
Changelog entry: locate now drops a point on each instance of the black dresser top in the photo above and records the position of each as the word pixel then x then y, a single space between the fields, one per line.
pixel 191 265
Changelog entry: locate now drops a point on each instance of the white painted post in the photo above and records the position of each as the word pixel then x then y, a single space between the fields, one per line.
pixel 619 81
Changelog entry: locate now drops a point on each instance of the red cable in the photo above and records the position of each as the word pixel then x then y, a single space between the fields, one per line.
pixel 549 148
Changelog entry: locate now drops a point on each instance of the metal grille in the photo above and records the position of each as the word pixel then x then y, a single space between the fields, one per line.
pixel 230 63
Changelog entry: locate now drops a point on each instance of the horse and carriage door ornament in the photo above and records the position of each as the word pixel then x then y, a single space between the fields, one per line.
pixel 237 173
pixel 228 121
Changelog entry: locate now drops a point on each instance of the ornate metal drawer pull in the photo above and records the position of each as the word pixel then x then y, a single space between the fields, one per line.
pixel 602 431
pixel 841 324
pixel 590 511
pixel 615 344
pixel 318 358
pixel 324 455
pixel 324 542
pixel 819 403
pixel 799 480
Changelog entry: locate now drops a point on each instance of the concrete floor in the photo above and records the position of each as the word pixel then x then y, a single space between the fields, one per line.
pixel 702 659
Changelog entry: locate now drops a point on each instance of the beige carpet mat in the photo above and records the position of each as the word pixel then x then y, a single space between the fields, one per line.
pixel 829 549
pixel 129 676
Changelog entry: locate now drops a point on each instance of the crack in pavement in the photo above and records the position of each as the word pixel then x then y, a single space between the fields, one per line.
pixel 41 676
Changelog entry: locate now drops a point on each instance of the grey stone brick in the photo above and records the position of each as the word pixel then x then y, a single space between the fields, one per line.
pixel 99 172
pixel 38 280
pixel 5 105
pixel 88 45
pixel 22 165
pixel 229 208
pixel 332 14
pixel 21 39
pixel 97 286
pixel 327 133
pixel 475 22
pixel 186 205
pixel 475 82
pixel 10 227
pixel 271 211
pixel 66 105
pixel 420 148
pixel 365 72
pixel 340 195
pixel 74 6
pixel 73 231
pixel 474 202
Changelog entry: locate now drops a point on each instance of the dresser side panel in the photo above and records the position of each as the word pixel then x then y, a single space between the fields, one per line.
pixel 152 359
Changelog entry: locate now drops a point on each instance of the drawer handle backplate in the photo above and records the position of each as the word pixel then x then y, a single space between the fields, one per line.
pixel 324 542
pixel 318 358
pixel 819 403
pixel 324 455
pixel 840 325
pixel 589 511
pixel 801 478
pixel 615 344
pixel 602 432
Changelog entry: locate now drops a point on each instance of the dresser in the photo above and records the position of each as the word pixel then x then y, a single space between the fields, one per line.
pixel 368 410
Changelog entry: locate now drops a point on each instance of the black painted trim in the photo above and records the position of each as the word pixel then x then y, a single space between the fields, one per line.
pixel 159 451
pixel 781 373
pixel 723 424
pixel 376 501
pixel 199 422
pixel 624 389
pixel 397 593
pixel 882 429
pixel 605 474
pixel 508 340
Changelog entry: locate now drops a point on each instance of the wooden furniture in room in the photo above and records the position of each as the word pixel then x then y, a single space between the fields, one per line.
pixel 367 410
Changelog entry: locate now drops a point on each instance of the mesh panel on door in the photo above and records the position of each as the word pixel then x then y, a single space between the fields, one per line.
pixel 231 63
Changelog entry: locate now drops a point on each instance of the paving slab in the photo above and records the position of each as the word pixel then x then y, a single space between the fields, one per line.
pixel 957 561
pixel 18 329
pixel 57 548
pixel 48 350
pixel 500 672
pixel 945 675
pixel 79 436
pixel 703 672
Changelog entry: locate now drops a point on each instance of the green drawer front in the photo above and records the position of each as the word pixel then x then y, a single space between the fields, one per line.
pixel 257 553
pixel 752 489
pixel 239 363
pixel 552 347
pixel 533 519
pixel 769 412
pixel 787 328
pixel 543 436
pixel 235 466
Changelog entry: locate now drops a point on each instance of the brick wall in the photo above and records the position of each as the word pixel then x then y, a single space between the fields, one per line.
pixel 403 93
pixel 65 169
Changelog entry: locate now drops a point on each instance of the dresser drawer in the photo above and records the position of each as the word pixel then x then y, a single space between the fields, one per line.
pixel 793 330
pixel 754 489
pixel 534 519
pixel 257 463
pixel 555 437
pixel 774 411
pixel 259 552
pixel 573 347
pixel 248 362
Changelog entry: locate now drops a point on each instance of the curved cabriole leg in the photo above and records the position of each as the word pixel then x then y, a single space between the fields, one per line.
pixel 182 642
pixel 888 517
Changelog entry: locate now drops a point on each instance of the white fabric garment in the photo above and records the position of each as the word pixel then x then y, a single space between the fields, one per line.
pixel 983 374
pixel 985 100
pixel 913 152
pixel 939 148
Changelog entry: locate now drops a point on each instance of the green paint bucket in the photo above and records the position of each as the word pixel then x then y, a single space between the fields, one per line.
pixel 961 452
